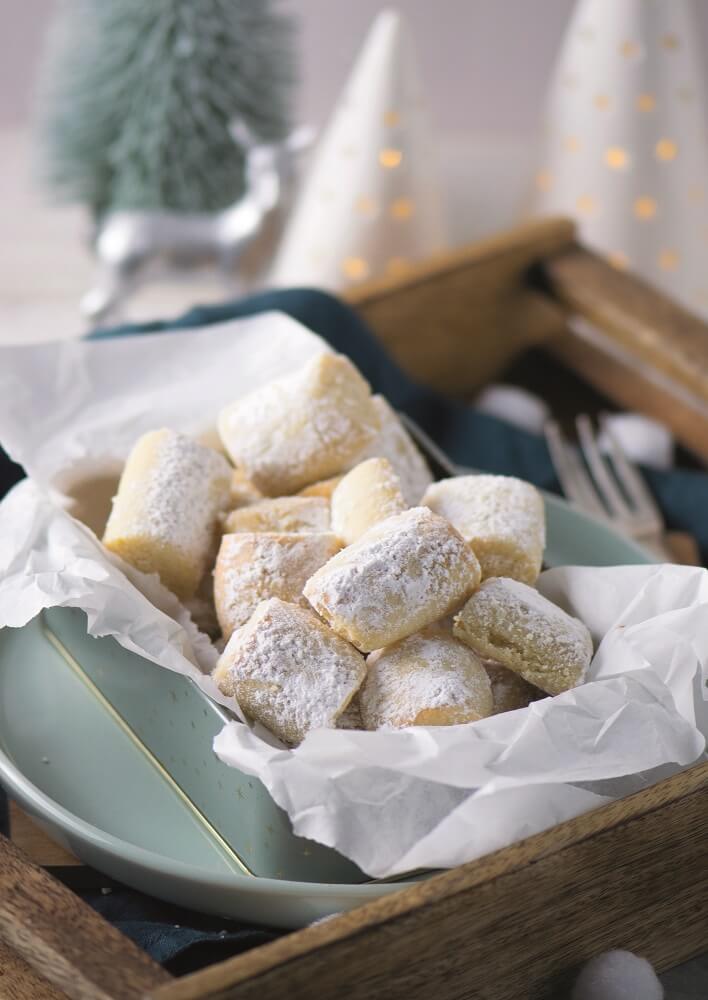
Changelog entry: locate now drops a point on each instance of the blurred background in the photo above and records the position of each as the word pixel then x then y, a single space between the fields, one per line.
pixel 486 73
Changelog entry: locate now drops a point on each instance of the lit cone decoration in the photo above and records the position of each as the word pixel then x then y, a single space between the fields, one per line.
pixel 625 150
pixel 370 204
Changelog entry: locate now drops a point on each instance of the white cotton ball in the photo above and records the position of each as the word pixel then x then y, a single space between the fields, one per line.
pixel 642 439
pixel 617 975
pixel 517 406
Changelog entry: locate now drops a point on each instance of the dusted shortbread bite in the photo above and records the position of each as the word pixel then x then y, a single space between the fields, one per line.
pixel 395 443
pixel 403 574
pixel 291 514
pixel 253 566
pixel 509 690
pixel 324 488
pixel 517 627
pixel 428 679
pixel 368 494
pixel 242 491
pixel 501 517
pixel 165 513
pixel 306 426
pixel 288 671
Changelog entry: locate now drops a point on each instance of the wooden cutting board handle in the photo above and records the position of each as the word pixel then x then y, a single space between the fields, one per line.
pixel 63 940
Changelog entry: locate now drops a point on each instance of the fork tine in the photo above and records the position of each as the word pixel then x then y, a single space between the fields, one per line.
pixel 604 483
pixel 574 480
pixel 632 482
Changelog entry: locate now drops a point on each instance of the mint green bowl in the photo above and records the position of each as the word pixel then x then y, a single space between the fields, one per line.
pixel 113 791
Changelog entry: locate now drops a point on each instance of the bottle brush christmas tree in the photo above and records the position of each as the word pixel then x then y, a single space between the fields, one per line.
pixel 139 97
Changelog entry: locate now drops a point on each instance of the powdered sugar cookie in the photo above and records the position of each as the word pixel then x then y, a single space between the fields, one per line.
pixel 288 514
pixel 403 574
pixel 289 671
pixel 514 625
pixel 165 513
pixel 428 679
pixel 395 443
pixel 306 426
pixel 368 494
pixel 501 517
pixel 253 566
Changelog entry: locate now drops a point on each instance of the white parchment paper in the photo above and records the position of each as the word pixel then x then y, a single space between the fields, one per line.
pixel 391 801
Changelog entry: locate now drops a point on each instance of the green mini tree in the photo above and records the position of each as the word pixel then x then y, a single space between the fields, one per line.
pixel 139 96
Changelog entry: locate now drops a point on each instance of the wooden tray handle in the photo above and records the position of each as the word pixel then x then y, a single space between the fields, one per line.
pixel 634 313
pixel 632 342
pixel 63 940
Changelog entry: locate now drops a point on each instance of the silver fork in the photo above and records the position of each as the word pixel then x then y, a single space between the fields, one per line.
pixel 595 486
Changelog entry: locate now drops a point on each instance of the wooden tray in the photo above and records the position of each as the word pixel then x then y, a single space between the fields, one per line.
pixel 458 320
pixel 517 923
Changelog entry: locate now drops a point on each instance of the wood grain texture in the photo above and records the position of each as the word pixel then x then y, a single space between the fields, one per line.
pixel 511 926
pixel 455 321
pixel 64 940
pixel 635 314
pixel 19 982
pixel 35 843
pixel 636 345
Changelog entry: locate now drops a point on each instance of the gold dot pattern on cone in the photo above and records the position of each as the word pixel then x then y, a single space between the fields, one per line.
pixel 668 260
pixel 355 268
pixel 571 143
pixel 601 102
pixel 391 119
pixel 396 267
pixel 666 149
pixel 618 260
pixel 366 206
pixel 587 33
pixel 401 209
pixel 645 207
pixel 544 181
pixel 629 49
pixel 616 158
pixel 670 41
pixel 390 158
pixel 646 103
pixel 585 204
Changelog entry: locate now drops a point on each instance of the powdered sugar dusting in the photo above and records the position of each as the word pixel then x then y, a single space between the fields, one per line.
pixel 253 566
pixel 403 574
pixel 425 672
pixel 301 428
pixel 289 671
pixel 395 443
pixel 501 517
pixel 290 514
pixel 371 492
pixel 177 498
pixel 513 624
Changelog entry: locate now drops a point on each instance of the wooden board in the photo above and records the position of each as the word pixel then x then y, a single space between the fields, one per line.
pixel 455 321
pixel 63 940
pixel 511 926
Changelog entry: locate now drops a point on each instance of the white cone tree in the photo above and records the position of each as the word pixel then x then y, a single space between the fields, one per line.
pixel 625 150
pixel 370 202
